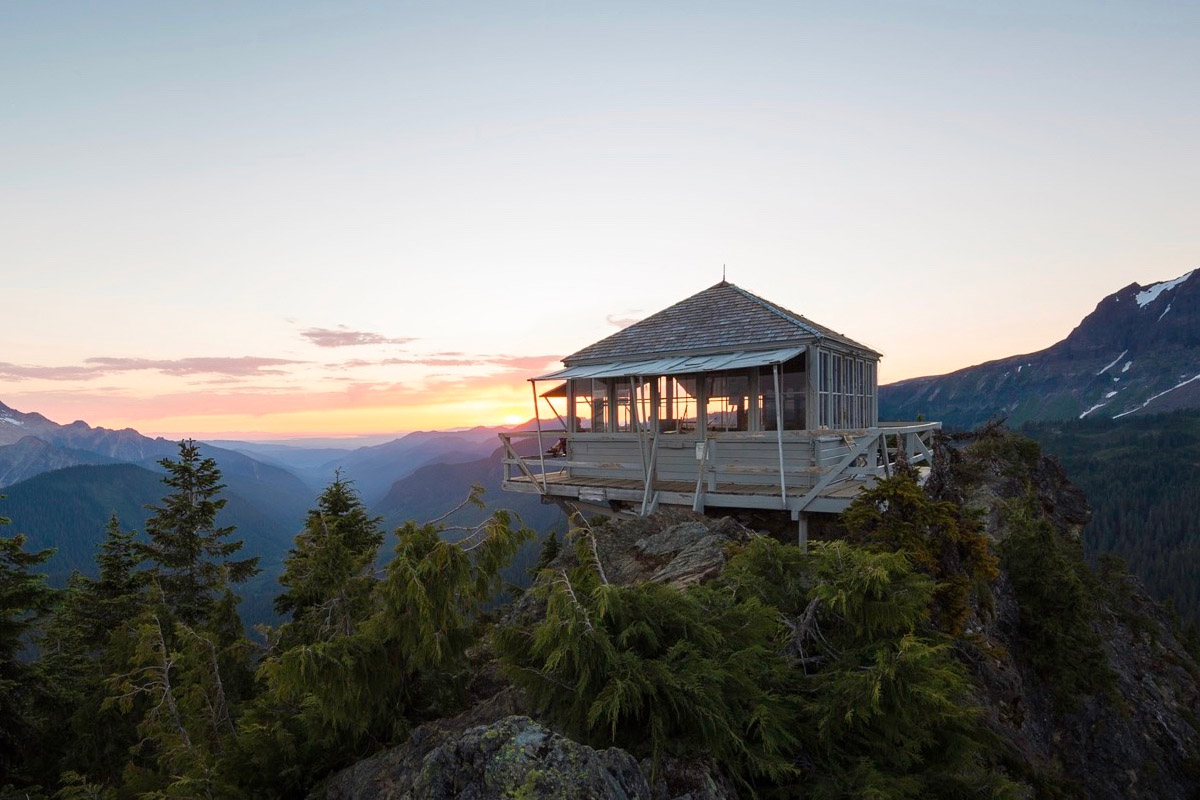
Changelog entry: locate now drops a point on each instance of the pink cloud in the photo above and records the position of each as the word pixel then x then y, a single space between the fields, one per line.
pixel 20 372
pixel 624 319
pixel 341 336
pixel 96 367
pixel 239 366
pixel 502 362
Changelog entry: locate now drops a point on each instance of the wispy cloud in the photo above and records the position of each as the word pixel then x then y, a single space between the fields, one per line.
pixel 624 319
pixel 492 362
pixel 22 372
pixel 237 366
pixel 342 336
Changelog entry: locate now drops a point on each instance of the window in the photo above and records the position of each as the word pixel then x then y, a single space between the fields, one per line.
pixel 824 407
pixel 677 404
pixel 622 412
pixel 793 385
pixel 591 405
pixel 728 401
pixel 846 391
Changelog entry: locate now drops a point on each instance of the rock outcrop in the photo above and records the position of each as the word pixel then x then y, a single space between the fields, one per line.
pixel 1138 741
pixel 513 757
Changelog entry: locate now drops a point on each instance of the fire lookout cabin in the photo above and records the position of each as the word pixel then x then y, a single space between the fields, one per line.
pixel 723 401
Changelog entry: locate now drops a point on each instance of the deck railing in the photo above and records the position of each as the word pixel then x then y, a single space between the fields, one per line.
pixel 808 462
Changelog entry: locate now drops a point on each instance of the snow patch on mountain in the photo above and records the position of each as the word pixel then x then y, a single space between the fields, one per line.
pixel 1114 363
pixel 11 421
pixel 1093 408
pixel 1160 394
pixel 1151 293
pixel 1125 368
pixel 1163 314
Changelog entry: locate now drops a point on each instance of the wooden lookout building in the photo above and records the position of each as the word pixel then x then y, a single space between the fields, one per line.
pixel 723 401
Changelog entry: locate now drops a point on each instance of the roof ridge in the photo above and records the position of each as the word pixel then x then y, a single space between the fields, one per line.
pixel 767 304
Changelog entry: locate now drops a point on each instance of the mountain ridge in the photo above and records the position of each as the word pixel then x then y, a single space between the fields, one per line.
pixel 1137 352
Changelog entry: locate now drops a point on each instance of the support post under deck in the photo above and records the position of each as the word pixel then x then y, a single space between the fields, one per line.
pixel 779 437
pixel 537 415
pixel 802 531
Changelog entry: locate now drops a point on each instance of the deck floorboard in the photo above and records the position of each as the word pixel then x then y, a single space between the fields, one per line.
pixel 841 490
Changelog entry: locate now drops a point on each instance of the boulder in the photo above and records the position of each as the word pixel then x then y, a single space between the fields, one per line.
pixel 514 757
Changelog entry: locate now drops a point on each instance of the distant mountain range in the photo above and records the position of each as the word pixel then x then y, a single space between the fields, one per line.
pixel 1137 353
pixel 64 481
pixel 374 469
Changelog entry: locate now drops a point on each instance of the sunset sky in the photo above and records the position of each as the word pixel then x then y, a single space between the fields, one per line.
pixel 276 219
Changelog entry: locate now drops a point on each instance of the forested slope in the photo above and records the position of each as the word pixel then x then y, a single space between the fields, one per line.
pixel 1141 475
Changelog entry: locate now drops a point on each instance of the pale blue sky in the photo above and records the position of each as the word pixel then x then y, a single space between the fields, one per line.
pixel 948 182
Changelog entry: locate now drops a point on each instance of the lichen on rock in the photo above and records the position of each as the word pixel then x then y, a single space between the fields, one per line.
pixel 513 757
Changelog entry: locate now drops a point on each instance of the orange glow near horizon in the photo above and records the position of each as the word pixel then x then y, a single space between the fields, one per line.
pixel 437 414
pixel 482 400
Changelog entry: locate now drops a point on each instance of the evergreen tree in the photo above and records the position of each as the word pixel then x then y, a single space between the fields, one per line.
pixel 186 722
pixel 549 552
pixel 812 675
pixel 1056 593
pixel 351 689
pixel 190 557
pixel 24 599
pixel 87 640
pixel 937 536
pixel 327 575
pixel 659 671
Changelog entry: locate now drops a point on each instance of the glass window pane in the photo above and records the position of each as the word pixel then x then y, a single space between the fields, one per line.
pixel 677 405
pixel 728 404
pixel 793 384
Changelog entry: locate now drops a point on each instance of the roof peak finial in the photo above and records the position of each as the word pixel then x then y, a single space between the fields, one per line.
pixel 722 273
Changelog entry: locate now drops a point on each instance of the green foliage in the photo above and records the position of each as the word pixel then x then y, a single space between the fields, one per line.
pixel 813 674
pixel 86 641
pixel 889 707
pixel 327 575
pixel 187 725
pixel 549 552
pixel 77 787
pixel 1058 611
pixel 1139 474
pixel 351 690
pixel 937 536
pixel 659 671
pixel 190 557
pixel 24 599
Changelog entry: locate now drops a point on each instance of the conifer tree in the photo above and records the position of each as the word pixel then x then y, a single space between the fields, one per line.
pixel 24 599
pixel 658 671
pixel 186 726
pixel 346 692
pixel 937 536
pixel 87 640
pixel 191 558
pixel 327 575
pixel 1058 608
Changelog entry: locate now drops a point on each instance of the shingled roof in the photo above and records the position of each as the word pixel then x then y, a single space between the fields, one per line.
pixel 721 318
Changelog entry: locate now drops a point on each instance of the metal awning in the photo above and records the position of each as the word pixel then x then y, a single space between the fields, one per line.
pixel 677 365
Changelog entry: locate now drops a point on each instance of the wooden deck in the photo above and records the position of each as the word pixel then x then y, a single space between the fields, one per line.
pixel 833 499
pixel 850 488
pixel 800 472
